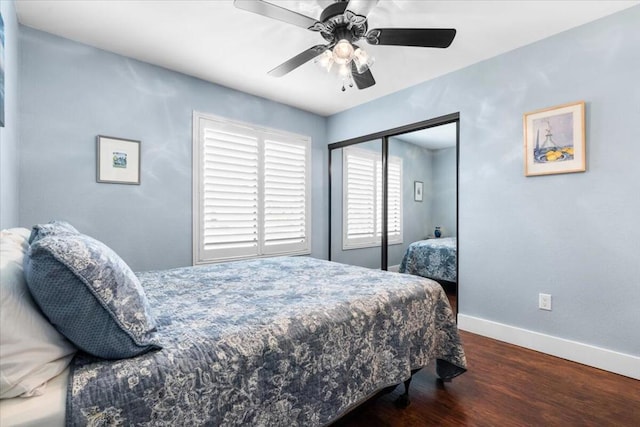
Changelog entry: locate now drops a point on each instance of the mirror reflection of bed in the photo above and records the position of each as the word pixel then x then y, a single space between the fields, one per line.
pixel 434 258
pixel 421 195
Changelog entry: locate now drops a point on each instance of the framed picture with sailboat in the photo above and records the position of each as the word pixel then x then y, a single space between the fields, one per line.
pixel 554 140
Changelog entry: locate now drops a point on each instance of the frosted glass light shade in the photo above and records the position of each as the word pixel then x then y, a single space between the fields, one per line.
pixel 325 60
pixel 343 52
pixel 363 60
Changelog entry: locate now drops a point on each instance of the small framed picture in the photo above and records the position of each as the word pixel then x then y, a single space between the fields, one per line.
pixel 554 140
pixel 118 160
pixel 417 191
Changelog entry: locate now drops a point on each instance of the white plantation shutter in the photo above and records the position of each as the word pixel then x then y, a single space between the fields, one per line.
pixel 359 194
pixel 285 196
pixel 394 201
pixel 251 191
pixel 362 199
pixel 378 186
pixel 230 193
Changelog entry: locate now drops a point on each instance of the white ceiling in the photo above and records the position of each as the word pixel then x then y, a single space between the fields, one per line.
pixel 217 42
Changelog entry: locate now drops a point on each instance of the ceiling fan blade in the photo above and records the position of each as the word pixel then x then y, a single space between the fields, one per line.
pixel 361 7
pixel 363 80
pixel 297 60
pixel 271 10
pixel 421 37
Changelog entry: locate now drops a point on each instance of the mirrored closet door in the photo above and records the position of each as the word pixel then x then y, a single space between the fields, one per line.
pixel 392 193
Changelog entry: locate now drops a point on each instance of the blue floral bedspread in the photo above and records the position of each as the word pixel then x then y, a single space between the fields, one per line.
pixel 289 341
pixel 432 258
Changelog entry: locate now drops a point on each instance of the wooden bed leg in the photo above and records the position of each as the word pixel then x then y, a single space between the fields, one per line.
pixel 403 400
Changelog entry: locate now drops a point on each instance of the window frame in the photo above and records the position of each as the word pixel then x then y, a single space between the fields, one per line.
pixel 200 121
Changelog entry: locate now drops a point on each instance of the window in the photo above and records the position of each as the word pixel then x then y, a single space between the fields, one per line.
pixel 251 191
pixel 362 199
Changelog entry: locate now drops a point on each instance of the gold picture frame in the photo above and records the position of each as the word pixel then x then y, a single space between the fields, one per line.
pixel 554 140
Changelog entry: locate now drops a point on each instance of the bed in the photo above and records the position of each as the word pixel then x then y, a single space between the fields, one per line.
pixel 292 341
pixel 432 258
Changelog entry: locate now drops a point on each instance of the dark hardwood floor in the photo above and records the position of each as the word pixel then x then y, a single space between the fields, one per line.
pixel 508 385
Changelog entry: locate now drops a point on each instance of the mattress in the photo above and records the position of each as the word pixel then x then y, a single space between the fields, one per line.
pixel 38 411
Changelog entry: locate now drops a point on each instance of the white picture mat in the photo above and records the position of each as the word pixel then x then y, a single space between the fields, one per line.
pixel 107 172
pixel 418 191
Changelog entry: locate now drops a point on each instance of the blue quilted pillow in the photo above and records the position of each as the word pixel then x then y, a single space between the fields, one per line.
pixel 54 227
pixel 90 295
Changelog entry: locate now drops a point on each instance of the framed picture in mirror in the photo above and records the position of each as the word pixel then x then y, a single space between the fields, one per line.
pixel 417 190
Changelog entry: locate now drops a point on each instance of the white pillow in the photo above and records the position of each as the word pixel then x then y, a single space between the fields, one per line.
pixel 32 351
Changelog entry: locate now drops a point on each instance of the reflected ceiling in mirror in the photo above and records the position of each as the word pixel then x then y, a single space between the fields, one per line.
pixel 433 138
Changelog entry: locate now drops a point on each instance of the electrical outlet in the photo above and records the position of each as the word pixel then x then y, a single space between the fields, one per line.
pixel 544 302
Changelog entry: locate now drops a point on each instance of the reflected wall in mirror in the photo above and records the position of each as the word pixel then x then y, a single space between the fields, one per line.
pixel 429 156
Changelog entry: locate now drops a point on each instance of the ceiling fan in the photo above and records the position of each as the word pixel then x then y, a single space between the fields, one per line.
pixel 341 27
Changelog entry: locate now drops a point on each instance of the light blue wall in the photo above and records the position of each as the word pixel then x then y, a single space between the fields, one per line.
pixel 72 92
pixel 444 191
pixel 9 134
pixel 575 236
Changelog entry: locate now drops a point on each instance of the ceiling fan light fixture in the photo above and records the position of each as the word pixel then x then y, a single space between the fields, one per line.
pixel 343 52
pixel 363 60
pixel 341 27
pixel 344 71
pixel 325 60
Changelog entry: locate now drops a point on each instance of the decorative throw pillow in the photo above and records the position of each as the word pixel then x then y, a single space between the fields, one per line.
pixel 90 295
pixel 54 227
pixel 32 351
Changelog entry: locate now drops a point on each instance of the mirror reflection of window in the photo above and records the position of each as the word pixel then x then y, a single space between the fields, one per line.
pixel 362 198
pixel 355 202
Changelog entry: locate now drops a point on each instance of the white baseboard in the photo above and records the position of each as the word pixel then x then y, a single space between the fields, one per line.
pixel 394 268
pixel 608 360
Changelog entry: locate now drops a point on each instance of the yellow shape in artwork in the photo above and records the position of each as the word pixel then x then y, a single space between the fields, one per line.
pixel 552 156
